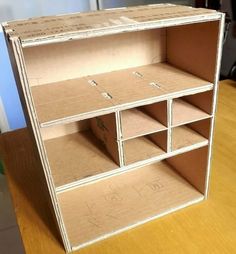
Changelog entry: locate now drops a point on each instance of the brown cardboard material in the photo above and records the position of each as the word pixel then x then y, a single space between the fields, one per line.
pixel 135 122
pixel 196 173
pixel 149 74
pixel 77 156
pixel 184 112
pixel 44 29
pixel 145 147
pixel 183 136
pixel 123 200
pixel 104 128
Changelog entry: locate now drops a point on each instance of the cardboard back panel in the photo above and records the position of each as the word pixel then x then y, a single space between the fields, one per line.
pixel 69 60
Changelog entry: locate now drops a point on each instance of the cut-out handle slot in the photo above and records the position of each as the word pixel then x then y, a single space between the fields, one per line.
pixel 138 74
pixel 154 84
pixel 92 82
pixel 107 96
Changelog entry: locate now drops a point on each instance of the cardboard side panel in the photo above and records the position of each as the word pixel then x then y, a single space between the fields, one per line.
pixel 69 60
pixel 192 166
pixel 193 48
pixel 104 128
pixel 17 60
pixel 63 129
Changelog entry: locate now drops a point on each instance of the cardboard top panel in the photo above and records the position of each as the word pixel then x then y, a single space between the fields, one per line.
pixel 44 30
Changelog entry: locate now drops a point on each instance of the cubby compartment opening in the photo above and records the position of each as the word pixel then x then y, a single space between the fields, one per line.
pixel 196 133
pixel 82 149
pixel 95 73
pixel 143 120
pixel 192 108
pixel 123 201
pixel 145 147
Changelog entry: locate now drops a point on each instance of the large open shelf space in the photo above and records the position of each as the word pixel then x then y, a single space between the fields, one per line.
pixel 96 93
pixel 124 200
pixel 76 156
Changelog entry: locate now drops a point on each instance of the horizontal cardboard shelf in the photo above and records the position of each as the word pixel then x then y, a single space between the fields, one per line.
pixel 58 102
pixel 184 112
pixel 136 122
pixel 77 156
pixel 145 147
pixel 122 201
pixel 184 136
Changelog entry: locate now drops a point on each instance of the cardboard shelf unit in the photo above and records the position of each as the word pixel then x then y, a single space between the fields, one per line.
pixel 121 104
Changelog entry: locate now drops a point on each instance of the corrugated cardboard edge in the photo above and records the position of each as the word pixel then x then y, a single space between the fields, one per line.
pixel 138 26
pixel 22 83
pixel 215 96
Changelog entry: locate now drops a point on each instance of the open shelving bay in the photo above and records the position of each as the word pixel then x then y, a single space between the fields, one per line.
pixel 122 115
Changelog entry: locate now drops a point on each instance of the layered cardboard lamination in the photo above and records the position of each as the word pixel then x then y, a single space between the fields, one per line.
pixel 121 105
pixel 123 201
pixel 83 25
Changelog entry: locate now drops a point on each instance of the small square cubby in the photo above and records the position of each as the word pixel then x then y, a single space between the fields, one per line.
pixel 191 108
pixel 81 149
pixel 195 133
pixel 145 147
pixel 143 120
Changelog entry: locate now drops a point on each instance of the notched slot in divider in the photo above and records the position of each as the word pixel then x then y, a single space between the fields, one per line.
pixel 107 95
pixel 154 84
pixel 138 74
pixel 92 82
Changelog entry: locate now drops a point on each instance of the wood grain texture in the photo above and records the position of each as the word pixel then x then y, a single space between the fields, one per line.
pixel 209 227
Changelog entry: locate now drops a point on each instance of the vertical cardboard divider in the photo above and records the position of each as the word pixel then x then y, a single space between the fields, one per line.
pixel 119 136
pixel 105 129
pixel 169 123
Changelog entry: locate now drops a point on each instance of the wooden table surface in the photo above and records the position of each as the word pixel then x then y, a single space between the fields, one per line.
pixel 208 227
